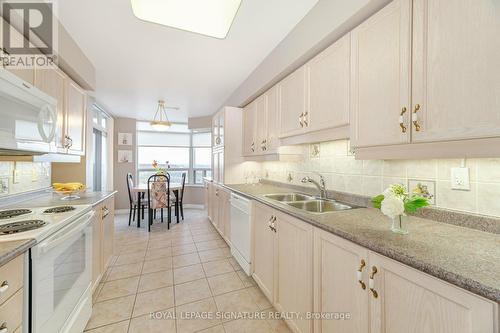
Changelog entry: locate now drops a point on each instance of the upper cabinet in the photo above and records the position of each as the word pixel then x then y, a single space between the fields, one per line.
pixel 455 79
pixel 75 118
pixel 249 129
pixel 328 87
pixel 293 103
pixel 423 81
pixel 380 96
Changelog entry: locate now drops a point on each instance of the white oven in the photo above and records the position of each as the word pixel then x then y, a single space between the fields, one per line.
pixel 61 276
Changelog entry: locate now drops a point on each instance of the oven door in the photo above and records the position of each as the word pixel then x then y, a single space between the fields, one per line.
pixel 61 275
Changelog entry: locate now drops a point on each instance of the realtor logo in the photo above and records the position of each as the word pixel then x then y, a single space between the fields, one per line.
pixel 29 34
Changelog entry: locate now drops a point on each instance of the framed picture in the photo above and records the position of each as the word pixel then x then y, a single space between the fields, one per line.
pixel 125 139
pixel 424 188
pixel 124 156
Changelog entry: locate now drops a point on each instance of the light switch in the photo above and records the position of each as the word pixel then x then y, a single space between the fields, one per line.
pixel 460 179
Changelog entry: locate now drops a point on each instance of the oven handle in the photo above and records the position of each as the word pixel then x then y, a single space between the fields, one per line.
pixel 62 238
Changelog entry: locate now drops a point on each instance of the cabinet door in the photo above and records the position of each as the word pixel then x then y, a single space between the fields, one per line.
pixel 380 81
pixel 215 166
pixel 263 250
pixel 205 195
pixel 215 130
pixel 75 117
pixel 293 98
pixel 221 127
pixel 210 199
pixel 97 265
pixel 224 212
pixel 221 166
pixel 249 126
pixel 215 206
pixel 328 78
pixel 51 81
pixel 273 120
pixel 411 301
pixel 336 286
pixel 261 125
pixel 294 270
pixel 108 231
pixel 455 85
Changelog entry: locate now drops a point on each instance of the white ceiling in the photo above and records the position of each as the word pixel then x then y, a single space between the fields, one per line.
pixel 138 63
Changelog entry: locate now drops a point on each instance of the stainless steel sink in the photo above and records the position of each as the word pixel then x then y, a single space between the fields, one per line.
pixel 288 197
pixel 319 206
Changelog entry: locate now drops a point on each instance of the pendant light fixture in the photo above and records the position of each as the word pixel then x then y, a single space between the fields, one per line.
pixel 160 121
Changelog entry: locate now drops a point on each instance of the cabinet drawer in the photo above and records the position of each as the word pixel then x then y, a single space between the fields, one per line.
pixel 11 275
pixel 11 312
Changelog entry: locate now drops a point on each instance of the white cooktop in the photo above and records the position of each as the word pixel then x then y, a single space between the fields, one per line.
pixel 53 221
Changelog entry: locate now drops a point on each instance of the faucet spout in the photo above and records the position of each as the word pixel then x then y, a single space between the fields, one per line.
pixel 321 186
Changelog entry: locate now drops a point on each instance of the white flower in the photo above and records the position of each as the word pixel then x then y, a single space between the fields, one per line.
pixel 392 206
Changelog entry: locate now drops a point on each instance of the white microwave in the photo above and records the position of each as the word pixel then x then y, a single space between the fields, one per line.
pixel 28 118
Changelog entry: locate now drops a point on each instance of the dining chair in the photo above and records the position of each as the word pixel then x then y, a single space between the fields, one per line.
pixel 159 197
pixel 132 197
pixel 181 196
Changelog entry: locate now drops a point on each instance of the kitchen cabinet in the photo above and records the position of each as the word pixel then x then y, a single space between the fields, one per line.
pixel 412 301
pixel 293 103
pixel 249 129
pixel 11 298
pixel 210 200
pixel 103 232
pixel 328 87
pixel 264 250
pixel 52 82
pixel 206 194
pixel 256 127
pixel 75 118
pixel 455 91
pixel 292 245
pixel 219 209
pixel 227 145
pixel 273 120
pixel 340 269
pixel 380 91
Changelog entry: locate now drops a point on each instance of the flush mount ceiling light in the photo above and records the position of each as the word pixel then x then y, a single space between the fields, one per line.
pixel 160 121
pixel 207 17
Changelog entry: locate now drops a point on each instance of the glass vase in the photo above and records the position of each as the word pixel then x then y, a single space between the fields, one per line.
pixel 398 225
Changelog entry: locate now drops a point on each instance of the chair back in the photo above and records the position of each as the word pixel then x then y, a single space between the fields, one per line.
pixel 130 186
pixel 159 191
pixel 183 185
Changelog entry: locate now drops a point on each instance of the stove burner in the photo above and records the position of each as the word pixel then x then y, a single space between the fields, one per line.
pixel 20 226
pixel 59 209
pixel 7 214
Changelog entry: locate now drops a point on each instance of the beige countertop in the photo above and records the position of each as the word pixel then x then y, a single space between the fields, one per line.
pixel 465 257
pixel 11 249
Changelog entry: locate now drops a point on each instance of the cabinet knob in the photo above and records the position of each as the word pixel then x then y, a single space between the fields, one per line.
pixel 414 118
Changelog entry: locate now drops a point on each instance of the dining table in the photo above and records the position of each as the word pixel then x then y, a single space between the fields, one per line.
pixel 141 189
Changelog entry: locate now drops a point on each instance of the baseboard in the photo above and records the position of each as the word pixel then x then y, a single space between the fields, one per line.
pixel 186 206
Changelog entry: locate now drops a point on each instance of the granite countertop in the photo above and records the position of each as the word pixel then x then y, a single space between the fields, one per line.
pixel 465 257
pixel 51 199
pixel 11 249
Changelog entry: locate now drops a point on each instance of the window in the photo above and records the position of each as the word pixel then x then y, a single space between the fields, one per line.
pixel 179 150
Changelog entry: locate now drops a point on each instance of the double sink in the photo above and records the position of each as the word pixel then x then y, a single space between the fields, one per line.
pixel 308 203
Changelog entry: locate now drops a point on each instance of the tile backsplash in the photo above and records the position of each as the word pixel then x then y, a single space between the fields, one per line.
pixel 370 177
pixel 19 177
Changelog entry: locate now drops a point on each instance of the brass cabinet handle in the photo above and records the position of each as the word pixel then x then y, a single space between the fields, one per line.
pixel 301 119
pixel 4 286
pixel 306 121
pixel 270 223
pixel 359 274
pixel 252 147
pixel 414 118
pixel 3 328
pixel 372 282
pixel 402 120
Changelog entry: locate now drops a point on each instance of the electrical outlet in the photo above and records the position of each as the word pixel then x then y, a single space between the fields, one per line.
pixel 460 179
pixel 15 178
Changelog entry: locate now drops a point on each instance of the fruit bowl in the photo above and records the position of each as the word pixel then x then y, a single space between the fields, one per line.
pixel 69 193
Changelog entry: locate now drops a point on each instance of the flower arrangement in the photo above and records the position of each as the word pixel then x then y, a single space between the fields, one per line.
pixel 395 202
pixel 158 169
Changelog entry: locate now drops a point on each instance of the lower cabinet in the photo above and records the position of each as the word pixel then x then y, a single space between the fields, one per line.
pixel 12 289
pixel 218 202
pixel 103 234
pixel 354 290
pixel 282 264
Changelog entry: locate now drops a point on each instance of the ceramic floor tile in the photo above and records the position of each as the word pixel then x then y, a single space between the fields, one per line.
pixel 236 301
pixel 191 291
pixel 182 241
pixel 184 249
pixel 118 288
pixel 259 298
pixel 247 326
pixel 158 253
pixel 224 283
pixel 112 311
pixel 130 258
pixel 185 260
pixel 278 326
pixel 159 322
pixel 208 245
pixel 154 300
pixel 215 329
pixel 120 327
pixel 248 281
pixel 156 265
pixel 156 280
pixel 188 273
pixel 211 255
pixel 191 324
pixel 213 268
pixel 124 271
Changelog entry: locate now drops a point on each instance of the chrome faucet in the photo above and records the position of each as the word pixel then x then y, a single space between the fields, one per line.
pixel 321 185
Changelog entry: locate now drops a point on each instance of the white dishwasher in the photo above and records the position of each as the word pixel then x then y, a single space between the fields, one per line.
pixel 241 231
